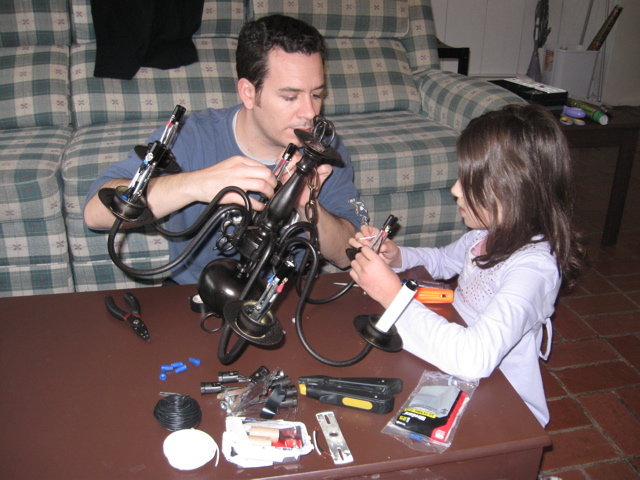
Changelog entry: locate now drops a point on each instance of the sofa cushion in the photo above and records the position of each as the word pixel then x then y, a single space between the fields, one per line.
pixel 34 86
pixel 81 21
pixel 426 218
pixel 33 245
pixel 152 94
pixel 396 152
pixel 350 18
pixel 405 164
pixel 367 65
pixel 453 99
pixel 33 22
pixel 220 18
pixel 36 279
pixel 368 75
pixel 421 42
pixel 411 21
pixel 92 150
pixel 30 186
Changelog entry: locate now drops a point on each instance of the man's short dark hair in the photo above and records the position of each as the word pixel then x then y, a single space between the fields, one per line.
pixel 259 37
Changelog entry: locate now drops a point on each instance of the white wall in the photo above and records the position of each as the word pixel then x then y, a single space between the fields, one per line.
pixel 500 35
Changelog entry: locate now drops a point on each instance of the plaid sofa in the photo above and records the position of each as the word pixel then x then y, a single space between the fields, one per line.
pixel 398 114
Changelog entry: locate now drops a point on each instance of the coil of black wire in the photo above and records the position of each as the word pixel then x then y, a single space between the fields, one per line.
pixel 177 412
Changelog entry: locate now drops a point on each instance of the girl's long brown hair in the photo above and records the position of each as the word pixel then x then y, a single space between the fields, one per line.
pixel 514 163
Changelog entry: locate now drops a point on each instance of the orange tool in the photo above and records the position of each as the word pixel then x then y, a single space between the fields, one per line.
pixel 434 295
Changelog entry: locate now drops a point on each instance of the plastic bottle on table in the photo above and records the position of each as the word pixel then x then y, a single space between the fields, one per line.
pixel 593 112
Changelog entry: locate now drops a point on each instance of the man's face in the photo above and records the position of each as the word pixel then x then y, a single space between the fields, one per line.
pixel 291 96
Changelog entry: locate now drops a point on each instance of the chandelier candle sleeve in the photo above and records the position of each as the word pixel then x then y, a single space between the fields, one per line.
pixel 402 300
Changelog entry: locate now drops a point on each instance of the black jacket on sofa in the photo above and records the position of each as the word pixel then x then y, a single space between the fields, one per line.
pixel 144 33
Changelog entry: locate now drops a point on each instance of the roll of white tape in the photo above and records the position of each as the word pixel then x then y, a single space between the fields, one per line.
pixel 190 449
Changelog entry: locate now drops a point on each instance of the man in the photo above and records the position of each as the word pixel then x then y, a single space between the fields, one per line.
pixel 280 66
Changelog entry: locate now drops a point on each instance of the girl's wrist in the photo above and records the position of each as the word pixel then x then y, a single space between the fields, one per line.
pixel 391 293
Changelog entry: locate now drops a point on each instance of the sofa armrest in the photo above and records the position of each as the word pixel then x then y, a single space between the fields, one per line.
pixel 453 99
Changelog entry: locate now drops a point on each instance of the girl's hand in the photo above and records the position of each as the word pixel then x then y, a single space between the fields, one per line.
pixel 372 273
pixel 366 234
pixel 389 251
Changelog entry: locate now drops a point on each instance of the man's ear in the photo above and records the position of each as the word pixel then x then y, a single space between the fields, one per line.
pixel 247 92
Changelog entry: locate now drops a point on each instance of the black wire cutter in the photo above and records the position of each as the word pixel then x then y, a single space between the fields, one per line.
pixel 138 326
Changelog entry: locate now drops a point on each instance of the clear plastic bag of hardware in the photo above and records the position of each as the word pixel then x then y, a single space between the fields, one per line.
pixel 428 420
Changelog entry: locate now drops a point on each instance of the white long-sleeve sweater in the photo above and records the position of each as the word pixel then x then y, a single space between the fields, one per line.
pixel 505 309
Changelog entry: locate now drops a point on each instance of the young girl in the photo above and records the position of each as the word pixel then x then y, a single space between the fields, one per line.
pixel 515 191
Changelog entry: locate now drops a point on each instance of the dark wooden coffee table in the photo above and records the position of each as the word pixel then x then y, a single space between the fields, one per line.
pixel 79 388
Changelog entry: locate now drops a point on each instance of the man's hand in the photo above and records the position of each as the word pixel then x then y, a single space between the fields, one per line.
pixel 324 171
pixel 242 172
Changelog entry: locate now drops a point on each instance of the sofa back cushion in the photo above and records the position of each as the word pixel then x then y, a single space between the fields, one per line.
pixel 421 41
pixel 34 22
pixel 368 69
pixel 220 18
pixel 34 86
pixel 410 21
pixel 152 94
pixel 368 75
pixel 349 18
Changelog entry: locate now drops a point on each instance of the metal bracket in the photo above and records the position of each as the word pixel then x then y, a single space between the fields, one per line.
pixel 335 440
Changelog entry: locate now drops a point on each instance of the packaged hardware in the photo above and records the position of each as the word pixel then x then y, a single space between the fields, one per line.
pixel 429 418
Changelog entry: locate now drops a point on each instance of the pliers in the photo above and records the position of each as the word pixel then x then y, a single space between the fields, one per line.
pixel 138 326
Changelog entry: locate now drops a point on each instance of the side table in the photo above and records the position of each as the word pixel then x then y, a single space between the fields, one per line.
pixel 622 132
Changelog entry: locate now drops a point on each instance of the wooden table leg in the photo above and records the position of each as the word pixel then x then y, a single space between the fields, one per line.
pixel 619 187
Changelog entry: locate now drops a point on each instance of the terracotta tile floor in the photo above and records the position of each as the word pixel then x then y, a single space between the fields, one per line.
pixel 592 378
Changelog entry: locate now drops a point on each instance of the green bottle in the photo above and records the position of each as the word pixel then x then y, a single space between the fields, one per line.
pixel 593 112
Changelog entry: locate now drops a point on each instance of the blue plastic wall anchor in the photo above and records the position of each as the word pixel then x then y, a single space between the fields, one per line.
pixel 181 368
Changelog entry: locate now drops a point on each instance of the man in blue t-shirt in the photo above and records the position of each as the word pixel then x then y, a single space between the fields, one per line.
pixel 280 66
